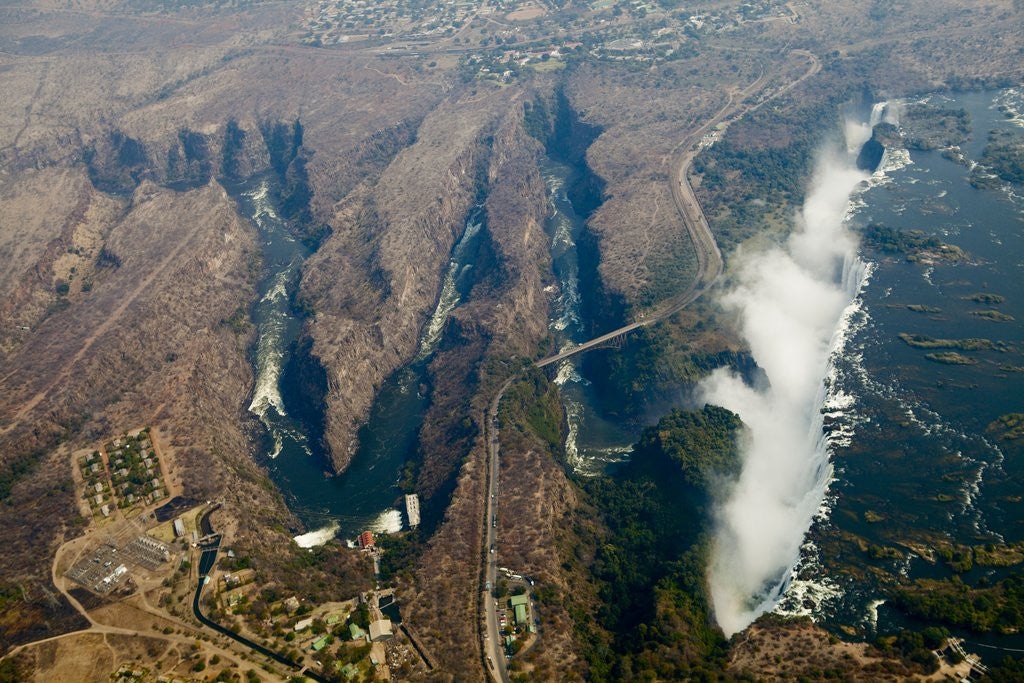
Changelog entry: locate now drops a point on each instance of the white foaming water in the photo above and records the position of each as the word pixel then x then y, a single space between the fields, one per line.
pixel 261 200
pixel 573 411
pixel 280 288
pixel 1012 102
pixel 388 522
pixel 449 298
pixel 795 304
pixel 573 417
pixel 269 348
pixel 317 536
pixel 873 612
pixel 569 304
pixel 269 359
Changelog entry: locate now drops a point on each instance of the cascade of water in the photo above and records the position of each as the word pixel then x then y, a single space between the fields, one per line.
pixel 793 302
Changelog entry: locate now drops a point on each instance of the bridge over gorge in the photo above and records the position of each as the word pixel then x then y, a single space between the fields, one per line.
pixel 709 268
pixel 709 258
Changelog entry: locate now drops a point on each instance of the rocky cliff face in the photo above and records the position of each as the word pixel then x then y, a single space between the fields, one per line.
pixel 375 281
pixel 125 271
pixel 504 317
pixel 644 252
pixel 506 313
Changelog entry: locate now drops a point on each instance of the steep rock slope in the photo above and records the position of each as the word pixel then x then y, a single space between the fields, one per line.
pixel 503 321
pixel 374 282
pixel 123 261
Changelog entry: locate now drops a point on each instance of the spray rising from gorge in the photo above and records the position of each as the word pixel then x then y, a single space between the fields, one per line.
pixel 791 302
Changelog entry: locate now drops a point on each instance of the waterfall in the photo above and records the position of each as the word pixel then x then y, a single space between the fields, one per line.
pixel 793 302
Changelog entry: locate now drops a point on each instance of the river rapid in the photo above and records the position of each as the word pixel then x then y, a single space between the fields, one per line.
pixel 897 449
pixel 593 440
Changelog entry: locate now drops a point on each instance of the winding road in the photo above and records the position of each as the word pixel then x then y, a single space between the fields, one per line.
pixel 709 257
pixel 709 268
pixel 207 560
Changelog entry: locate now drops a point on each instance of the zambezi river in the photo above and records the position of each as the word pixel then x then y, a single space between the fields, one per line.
pixel 917 464
pixel 593 441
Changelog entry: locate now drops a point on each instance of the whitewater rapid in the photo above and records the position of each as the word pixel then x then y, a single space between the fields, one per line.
pixel 591 441
pixel 795 304
pixel 270 345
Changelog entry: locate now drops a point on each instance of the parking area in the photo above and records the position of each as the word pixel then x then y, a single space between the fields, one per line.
pixel 518 620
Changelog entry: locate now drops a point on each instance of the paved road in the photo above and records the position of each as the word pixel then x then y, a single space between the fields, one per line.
pixel 709 267
pixel 709 257
pixel 494 653
pixel 206 562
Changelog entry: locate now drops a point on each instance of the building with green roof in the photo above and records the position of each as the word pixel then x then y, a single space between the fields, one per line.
pixel 319 643
pixel 521 606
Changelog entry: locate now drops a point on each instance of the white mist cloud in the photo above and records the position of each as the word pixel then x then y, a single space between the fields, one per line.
pixel 789 301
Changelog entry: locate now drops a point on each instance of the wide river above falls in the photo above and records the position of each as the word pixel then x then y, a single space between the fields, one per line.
pixel 917 464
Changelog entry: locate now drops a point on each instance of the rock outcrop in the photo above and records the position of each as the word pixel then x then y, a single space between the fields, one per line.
pixel 376 279
pixel 504 317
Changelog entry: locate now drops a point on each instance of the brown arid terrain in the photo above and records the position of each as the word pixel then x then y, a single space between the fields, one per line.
pixel 536 488
pixel 507 316
pixel 127 273
pixel 797 649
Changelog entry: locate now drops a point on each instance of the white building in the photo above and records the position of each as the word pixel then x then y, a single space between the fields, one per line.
pixel 412 510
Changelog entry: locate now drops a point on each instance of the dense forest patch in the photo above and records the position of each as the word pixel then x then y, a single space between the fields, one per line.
pixel 653 617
